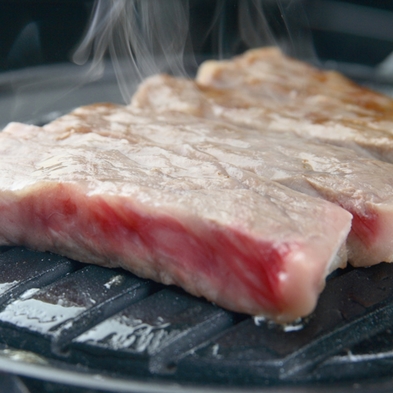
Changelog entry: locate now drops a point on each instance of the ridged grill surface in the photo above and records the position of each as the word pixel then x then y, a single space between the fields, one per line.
pixel 113 323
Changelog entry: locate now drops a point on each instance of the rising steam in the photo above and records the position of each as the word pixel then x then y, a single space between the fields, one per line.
pixel 145 37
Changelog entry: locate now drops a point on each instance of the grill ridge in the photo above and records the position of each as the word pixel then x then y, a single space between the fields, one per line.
pixel 135 290
pixel 334 342
pixel 37 272
pixel 111 322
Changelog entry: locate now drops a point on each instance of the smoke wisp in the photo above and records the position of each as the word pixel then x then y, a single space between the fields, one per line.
pixel 146 37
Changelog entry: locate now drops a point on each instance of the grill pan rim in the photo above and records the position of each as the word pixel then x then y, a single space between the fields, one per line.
pixel 121 385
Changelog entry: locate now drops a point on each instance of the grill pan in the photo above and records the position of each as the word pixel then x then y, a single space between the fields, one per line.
pixel 70 327
pixel 61 317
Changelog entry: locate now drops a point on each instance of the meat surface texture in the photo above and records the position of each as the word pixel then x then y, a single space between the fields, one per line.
pixel 360 184
pixel 311 102
pixel 263 88
pixel 125 199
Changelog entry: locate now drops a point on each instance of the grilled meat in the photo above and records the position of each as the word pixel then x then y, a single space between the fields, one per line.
pixel 239 240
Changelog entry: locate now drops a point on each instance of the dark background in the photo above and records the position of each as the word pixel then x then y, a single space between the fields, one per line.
pixel 35 32
pixel 39 81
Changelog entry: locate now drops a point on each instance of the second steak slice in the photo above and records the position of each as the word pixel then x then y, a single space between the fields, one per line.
pixel 361 184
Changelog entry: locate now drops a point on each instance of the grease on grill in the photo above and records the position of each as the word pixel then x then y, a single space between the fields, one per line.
pixel 155 331
pixel 352 310
pixel 113 322
pixel 22 270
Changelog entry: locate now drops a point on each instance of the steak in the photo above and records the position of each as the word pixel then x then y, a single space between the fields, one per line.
pixel 267 90
pixel 318 104
pixel 130 200
pixel 360 184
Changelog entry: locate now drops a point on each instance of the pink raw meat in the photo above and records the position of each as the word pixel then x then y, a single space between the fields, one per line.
pixel 243 242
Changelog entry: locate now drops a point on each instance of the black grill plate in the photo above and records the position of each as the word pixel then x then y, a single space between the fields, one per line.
pixel 72 317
